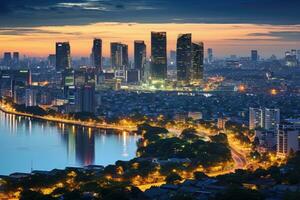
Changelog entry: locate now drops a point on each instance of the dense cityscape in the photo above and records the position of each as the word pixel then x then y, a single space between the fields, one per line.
pixel 172 123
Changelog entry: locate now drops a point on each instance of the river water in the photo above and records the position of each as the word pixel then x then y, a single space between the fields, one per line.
pixel 28 144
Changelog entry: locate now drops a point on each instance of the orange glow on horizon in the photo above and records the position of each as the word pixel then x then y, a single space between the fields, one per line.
pixel 224 38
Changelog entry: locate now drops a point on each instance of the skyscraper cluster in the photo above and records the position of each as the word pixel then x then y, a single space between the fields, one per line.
pixel 189 59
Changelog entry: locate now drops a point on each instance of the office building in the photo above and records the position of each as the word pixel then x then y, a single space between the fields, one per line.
pixel 31 97
pixel 97 54
pixel 254 56
pixel 132 76
pixel 16 58
pixel 88 100
pixel 210 55
pixel 116 50
pixel 265 118
pixel 52 60
pixel 197 62
pixel 184 57
pixel 125 59
pixel 19 95
pixel 158 55
pixel 7 59
pixel 6 84
pixel 271 118
pixel 287 139
pixel 139 55
pixel 63 56
pixel 255 118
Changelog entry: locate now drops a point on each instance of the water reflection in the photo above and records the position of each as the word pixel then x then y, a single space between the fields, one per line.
pixel 56 145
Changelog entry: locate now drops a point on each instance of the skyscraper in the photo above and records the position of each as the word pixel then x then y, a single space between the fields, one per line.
pixel 210 55
pixel 97 54
pixel 158 55
pixel 254 56
pixel 139 54
pixel 197 62
pixel 63 56
pixel 16 58
pixel 264 118
pixel 140 57
pixel 125 60
pixel 52 60
pixel 287 139
pixel 7 59
pixel 271 118
pixel 184 57
pixel 255 118
pixel 116 50
pixel 88 101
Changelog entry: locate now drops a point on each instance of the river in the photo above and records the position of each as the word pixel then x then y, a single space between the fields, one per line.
pixel 29 144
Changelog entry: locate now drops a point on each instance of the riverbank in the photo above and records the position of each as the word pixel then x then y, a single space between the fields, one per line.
pixel 127 128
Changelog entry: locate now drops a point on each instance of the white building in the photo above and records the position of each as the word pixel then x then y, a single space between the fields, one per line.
pixel 271 118
pixel 264 118
pixel 287 139
pixel 255 118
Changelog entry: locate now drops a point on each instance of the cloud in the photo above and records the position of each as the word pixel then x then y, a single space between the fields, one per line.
pixel 77 12
pixel 279 35
pixel 31 31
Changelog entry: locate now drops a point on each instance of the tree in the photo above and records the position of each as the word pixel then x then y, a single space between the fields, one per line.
pixel 199 175
pixel 173 178
pixel 236 193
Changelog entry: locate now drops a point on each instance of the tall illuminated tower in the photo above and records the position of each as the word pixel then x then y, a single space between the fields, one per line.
pixel 197 62
pixel 63 56
pixel 97 54
pixel 158 55
pixel 184 57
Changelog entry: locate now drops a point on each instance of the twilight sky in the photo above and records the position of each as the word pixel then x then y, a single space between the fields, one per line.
pixel 230 27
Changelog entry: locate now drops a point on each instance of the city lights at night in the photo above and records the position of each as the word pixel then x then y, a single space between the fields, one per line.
pixel 149 100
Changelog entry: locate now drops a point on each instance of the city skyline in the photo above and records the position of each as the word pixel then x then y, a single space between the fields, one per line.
pixel 225 39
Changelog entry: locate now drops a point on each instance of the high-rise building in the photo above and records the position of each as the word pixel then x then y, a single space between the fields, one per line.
pixel 197 62
pixel 97 54
pixel 255 118
pixel 63 56
pixel 7 59
pixel 287 139
pixel 210 55
pixel 52 60
pixel 184 57
pixel 125 59
pixel 88 100
pixel 16 58
pixel 254 55
pixel 116 50
pixel 139 54
pixel 31 97
pixel 264 118
pixel 271 118
pixel 158 55
pixel 140 57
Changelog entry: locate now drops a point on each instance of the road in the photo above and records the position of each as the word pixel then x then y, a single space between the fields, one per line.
pixel 239 159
